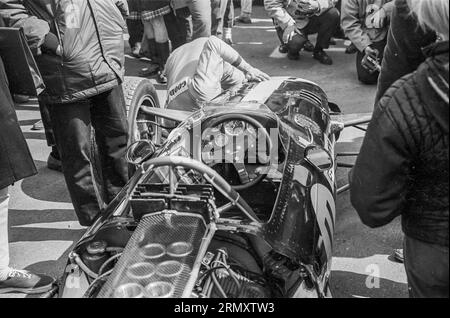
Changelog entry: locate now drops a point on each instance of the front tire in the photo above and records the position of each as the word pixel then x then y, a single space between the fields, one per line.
pixel 139 92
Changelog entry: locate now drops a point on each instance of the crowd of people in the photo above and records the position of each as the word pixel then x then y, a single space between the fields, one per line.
pixel 401 45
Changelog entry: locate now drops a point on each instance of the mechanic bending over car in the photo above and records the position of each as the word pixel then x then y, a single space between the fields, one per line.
pixel 199 71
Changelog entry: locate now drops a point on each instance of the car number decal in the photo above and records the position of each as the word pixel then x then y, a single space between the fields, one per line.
pixel 325 208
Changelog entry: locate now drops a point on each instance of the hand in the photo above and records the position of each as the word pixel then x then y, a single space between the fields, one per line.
pixel 370 60
pixel 371 51
pixel 289 33
pixel 255 75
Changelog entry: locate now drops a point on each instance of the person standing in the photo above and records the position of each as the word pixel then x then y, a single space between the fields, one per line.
pixel 79 50
pixel 222 19
pixel 15 164
pixel 366 24
pixel 152 13
pixel 409 137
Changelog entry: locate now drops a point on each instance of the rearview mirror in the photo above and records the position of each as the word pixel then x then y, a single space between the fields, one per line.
pixel 140 151
pixel 319 158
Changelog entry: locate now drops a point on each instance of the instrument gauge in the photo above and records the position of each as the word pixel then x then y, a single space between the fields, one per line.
pixel 234 127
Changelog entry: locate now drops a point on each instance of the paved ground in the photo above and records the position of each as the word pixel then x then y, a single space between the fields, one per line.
pixel 43 226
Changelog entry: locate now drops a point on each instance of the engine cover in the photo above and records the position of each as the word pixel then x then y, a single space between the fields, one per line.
pixel 161 259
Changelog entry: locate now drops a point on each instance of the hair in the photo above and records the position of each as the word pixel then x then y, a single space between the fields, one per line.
pixel 432 14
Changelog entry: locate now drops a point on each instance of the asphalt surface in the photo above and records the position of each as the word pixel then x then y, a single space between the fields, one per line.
pixel 43 225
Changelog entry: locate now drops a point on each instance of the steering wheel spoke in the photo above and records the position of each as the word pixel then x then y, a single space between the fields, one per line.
pixel 244 176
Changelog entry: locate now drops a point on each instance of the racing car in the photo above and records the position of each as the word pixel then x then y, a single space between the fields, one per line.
pixel 234 200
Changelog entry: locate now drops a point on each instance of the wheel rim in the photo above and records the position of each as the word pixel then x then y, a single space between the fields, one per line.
pixel 142 126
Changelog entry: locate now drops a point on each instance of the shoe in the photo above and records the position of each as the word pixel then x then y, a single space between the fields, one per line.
pixel 54 163
pixel 398 255
pixel 20 99
pixel 21 281
pixel 243 19
pixel 283 49
pixel 308 47
pixel 149 71
pixel 228 41
pixel 322 57
pixel 293 56
pixel 351 49
pixel 39 125
pixel 161 77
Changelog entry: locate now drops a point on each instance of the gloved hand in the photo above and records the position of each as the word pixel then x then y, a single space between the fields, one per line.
pixel 376 19
pixel 255 75
pixel 308 7
pixel 370 60
pixel 289 33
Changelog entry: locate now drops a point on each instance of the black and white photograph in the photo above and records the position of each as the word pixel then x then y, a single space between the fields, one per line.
pixel 232 154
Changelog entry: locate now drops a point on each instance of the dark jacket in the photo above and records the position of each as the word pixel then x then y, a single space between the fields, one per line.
pixel 15 158
pixel 402 168
pixel 403 52
pixel 90 34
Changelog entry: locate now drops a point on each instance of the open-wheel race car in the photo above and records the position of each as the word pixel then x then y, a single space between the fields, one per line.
pixel 235 200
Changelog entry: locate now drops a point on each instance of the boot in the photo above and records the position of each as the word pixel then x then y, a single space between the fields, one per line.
pixel 163 50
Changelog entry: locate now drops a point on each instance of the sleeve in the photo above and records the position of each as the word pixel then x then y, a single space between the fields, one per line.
pixel 16 15
pixel 378 182
pixel 351 23
pixel 207 78
pixel 389 8
pixel 277 11
pixel 403 53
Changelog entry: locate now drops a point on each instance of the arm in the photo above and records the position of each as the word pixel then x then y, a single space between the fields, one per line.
pixel 36 30
pixel 352 25
pixel 207 77
pixel 276 10
pixel 378 182
pixel 403 53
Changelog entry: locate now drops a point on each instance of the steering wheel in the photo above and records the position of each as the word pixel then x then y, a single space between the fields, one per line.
pixel 240 167
pixel 214 178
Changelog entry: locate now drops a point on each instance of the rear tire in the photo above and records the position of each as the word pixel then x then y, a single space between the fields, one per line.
pixel 138 92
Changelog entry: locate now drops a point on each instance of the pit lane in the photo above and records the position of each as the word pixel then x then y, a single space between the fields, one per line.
pixel 43 226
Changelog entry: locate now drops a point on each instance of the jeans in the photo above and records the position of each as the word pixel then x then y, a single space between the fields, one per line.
pixel 222 16
pixel 178 27
pixel 364 76
pixel 246 8
pixel 72 125
pixel 200 12
pixel 426 268
pixel 201 18
pixel 4 248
